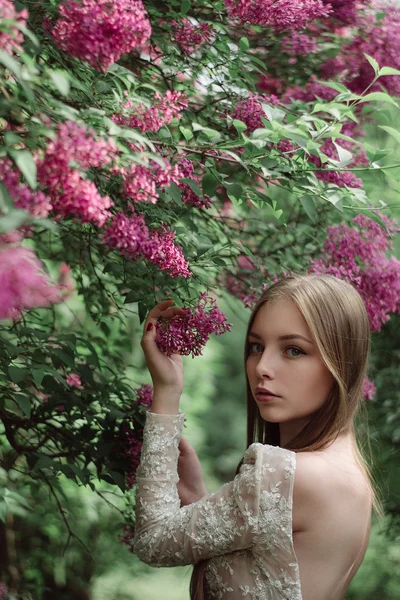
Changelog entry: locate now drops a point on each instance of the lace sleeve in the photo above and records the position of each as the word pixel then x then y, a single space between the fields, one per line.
pixel 170 535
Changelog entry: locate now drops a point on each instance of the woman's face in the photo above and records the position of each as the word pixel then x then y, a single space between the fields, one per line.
pixel 284 359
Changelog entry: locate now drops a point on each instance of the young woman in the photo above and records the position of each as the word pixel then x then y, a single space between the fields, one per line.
pixel 294 523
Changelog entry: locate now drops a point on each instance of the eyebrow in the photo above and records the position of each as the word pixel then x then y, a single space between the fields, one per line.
pixel 290 336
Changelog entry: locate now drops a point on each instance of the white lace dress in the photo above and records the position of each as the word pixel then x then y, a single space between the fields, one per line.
pixel 245 528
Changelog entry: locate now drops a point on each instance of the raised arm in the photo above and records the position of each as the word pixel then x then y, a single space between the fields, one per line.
pixel 168 535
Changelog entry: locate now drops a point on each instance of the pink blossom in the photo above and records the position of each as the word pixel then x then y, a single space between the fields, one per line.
pixel 298 43
pixel 132 237
pixel 145 118
pixel 381 41
pixel 310 92
pixel 99 31
pixel 23 283
pixel 69 192
pixel 345 10
pixel 250 110
pixel 358 255
pixel 3 591
pixel 74 380
pixel 278 14
pixel 190 37
pixel 166 255
pixel 141 182
pixel 144 395
pixel 11 40
pixel 33 201
pixel 369 389
pixel 189 334
pixel 189 197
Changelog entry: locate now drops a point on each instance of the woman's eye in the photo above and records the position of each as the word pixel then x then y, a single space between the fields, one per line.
pixel 253 344
pixel 296 350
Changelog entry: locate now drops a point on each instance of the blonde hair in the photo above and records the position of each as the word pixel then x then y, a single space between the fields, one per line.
pixel 338 321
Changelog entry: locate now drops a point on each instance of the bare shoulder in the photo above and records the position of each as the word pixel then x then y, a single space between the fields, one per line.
pixel 322 486
pixel 309 491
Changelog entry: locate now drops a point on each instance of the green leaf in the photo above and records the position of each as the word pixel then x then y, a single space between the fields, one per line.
pixel 60 81
pixel 13 220
pixel 193 186
pixel 142 312
pixel 64 357
pixel 37 375
pixel 209 184
pixel 244 44
pixel 339 87
pixel 133 296
pixel 345 157
pixel 23 403
pixel 24 161
pixel 185 7
pixel 187 133
pixel 274 114
pixel 10 63
pixel 6 202
pixel 17 374
pixel 308 204
pixel 379 97
pixel 374 64
pixel 388 71
pixel 393 132
pixel 3 511
pixel 239 125
pixel 175 194
pixel 234 192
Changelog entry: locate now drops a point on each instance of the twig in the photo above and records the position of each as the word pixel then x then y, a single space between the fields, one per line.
pixel 70 532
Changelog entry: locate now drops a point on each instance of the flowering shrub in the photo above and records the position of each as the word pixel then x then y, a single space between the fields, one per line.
pixel 357 254
pixel 99 31
pixel 153 150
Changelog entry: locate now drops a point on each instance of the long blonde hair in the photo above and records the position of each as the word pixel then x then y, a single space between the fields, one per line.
pixel 337 318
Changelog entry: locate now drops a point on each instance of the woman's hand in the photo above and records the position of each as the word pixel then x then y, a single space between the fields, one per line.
pixel 166 371
pixel 191 485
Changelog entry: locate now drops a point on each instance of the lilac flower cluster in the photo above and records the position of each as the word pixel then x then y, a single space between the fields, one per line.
pixel 379 40
pixel 23 283
pixel 144 395
pixel 131 236
pixel 369 389
pixel 298 43
pixel 164 109
pixel 308 93
pixel 278 14
pixel 189 334
pixel 358 255
pixel 69 192
pixel 141 182
pixel 189 197
pixel 190 37
pixel 33 201
pixel 11 37
pixel 99 31
pixel 73 380
pixel 250 110
pixel 345 11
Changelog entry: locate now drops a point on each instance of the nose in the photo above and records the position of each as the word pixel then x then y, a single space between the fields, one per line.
pixel 265 366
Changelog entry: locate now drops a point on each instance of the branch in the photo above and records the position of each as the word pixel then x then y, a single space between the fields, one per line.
pixel 71 534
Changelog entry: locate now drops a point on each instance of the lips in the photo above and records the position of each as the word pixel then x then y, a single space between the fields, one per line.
pixel 264 392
